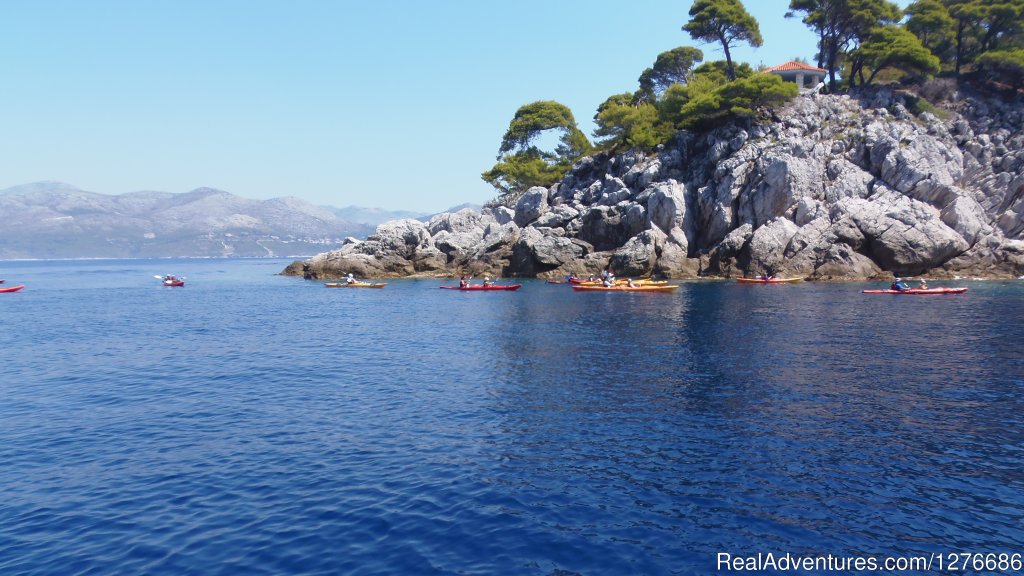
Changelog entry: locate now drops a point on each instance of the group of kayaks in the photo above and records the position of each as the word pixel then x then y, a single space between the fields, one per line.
pixel 940 290
pixel 578 285
pixel 643 285
pixel 618 285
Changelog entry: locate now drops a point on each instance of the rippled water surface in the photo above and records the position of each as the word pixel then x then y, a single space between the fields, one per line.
pixel 257 424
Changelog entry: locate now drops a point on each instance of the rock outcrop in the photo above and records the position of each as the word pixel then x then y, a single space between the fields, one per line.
pixel 834 187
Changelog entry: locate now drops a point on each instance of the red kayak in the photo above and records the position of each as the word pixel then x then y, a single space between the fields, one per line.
pixel 479 287
pixel 12 288
pixel 919 291
pixel 174 283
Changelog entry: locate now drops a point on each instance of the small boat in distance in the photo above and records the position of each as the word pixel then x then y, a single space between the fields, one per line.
pixel 12 288
pixel 171 280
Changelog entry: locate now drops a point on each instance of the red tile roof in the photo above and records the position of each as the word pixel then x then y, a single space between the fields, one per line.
pixel 793 65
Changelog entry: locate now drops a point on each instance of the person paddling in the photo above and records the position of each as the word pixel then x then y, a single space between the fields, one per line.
pixel 350 279
pixel 463 282
pixel 899 285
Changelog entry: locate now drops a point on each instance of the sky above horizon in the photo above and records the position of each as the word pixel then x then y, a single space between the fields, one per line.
pixel 395 104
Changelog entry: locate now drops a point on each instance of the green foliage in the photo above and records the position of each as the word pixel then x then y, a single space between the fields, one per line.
pixel 919 105
pixel 985 25
pixel 676 97
pixel 522 164
pixel 726 22
pixel 536 118
pixel 893 46
pixel 930 21
pixel 521 170
pixel 672 67
pixel 1004 66
pixel 718 71
pixel 623 124
pixel 1002 20
pixel 742 98
pixel 841 26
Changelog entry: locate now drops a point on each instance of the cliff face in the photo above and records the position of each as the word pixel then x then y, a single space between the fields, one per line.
pixel 835 187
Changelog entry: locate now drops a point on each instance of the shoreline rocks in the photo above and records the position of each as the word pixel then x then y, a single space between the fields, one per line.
pixel 836 187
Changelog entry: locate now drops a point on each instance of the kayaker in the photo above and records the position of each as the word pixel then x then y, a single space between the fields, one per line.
pixel 463 282
pixel 924 284
pixel 350 279
pixel 629 282
pixel 487 281
pixel 608 281
pixel 899 285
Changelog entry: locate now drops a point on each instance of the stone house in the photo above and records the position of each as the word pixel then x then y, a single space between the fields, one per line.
pixel 805 75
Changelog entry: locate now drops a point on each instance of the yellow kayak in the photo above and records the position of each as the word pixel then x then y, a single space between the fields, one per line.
pixel 624 288
pixel 355 285
pixel 620 282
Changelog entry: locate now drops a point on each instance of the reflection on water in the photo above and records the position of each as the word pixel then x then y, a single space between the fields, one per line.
pixel 253 424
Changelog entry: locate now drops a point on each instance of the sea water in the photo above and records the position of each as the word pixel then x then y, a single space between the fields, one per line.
pixel 251 423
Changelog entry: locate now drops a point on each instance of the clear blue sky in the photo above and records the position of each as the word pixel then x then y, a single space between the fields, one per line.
pixel 399 104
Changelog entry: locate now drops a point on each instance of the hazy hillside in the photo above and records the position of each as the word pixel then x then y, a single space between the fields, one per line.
pixel 371 216
pixel 57 220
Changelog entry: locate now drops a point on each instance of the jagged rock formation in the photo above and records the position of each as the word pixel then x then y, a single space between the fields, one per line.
pixel 834 187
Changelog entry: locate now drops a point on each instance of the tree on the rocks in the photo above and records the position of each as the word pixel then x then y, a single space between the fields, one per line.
pixel 1004 66
pixel 725 22
pixel 842 25
pixel 672 67
pixel 930 21
pixel 521 163
pixel 621 123
pixel 894 46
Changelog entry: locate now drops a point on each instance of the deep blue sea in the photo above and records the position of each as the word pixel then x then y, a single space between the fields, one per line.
pixel 254 424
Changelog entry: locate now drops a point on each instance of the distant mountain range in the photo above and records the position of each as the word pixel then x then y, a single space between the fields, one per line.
pixel 56 220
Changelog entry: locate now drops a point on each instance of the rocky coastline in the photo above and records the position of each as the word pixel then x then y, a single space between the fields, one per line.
pixel 835 187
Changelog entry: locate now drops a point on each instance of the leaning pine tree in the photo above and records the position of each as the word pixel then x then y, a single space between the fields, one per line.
pixel 521 163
